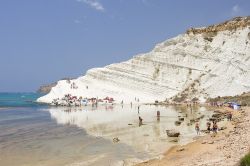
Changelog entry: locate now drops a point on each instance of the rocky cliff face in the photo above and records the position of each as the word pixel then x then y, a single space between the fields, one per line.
pixel 202 63
pixel 231 25
pixel 46 88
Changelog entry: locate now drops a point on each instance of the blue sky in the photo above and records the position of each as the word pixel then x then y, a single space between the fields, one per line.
pixel 42 41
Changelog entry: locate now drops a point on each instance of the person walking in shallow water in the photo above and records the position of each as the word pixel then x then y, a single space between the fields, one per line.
pixel 158 115
pixel 140 121
pixel 197 128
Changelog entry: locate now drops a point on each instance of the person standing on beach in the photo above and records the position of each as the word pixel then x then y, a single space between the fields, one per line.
pixel 208 126
pixel 197 128
pixel 215 127
pixel 229 116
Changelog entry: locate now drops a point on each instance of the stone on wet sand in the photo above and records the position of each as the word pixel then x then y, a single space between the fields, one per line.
pixel 174 140
pixel 177 123
pixel 116 139
pixel 211 142
pixel 181 119
pixel 173 133
pixel 223 128
pixel 192 120
pixel 181 149
pixel 202 116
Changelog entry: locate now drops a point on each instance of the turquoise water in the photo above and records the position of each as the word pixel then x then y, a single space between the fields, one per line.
pixel 19 99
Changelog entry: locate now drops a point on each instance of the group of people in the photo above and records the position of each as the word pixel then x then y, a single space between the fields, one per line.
pixel 73 86
pixel 210 127
pixel 213 128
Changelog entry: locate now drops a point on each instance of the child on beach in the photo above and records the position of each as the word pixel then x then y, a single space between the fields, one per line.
pixel 197 128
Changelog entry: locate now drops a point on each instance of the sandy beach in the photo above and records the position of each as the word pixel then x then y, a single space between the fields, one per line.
pixel 224 148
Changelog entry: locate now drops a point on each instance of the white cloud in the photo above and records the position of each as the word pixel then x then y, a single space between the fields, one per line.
pixel 236 10
pixel 77 21
pixel 94 4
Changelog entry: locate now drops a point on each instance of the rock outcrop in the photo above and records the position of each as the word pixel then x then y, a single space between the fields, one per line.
pixel 46 88
pixel 232 25
pixel 202 63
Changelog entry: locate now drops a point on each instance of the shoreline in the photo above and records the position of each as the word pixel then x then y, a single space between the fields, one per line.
pixel 211 149
pixel 4 108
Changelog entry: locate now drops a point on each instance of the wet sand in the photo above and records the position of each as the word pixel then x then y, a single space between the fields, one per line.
pixel 224 148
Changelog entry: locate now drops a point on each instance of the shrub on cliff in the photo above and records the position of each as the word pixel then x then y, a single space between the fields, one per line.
pixel 245 161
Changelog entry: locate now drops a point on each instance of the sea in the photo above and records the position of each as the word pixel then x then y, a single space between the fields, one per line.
pixel 19 99
pixel 33 134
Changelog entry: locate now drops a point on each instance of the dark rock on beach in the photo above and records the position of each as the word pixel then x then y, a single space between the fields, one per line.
pixel 181 119
pixel 177 123
pixel 116 139
pixel 173 133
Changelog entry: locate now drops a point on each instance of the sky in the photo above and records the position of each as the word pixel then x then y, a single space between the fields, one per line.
pixel 42 41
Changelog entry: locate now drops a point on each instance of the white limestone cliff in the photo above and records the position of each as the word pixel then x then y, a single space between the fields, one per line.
pixel 202 63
